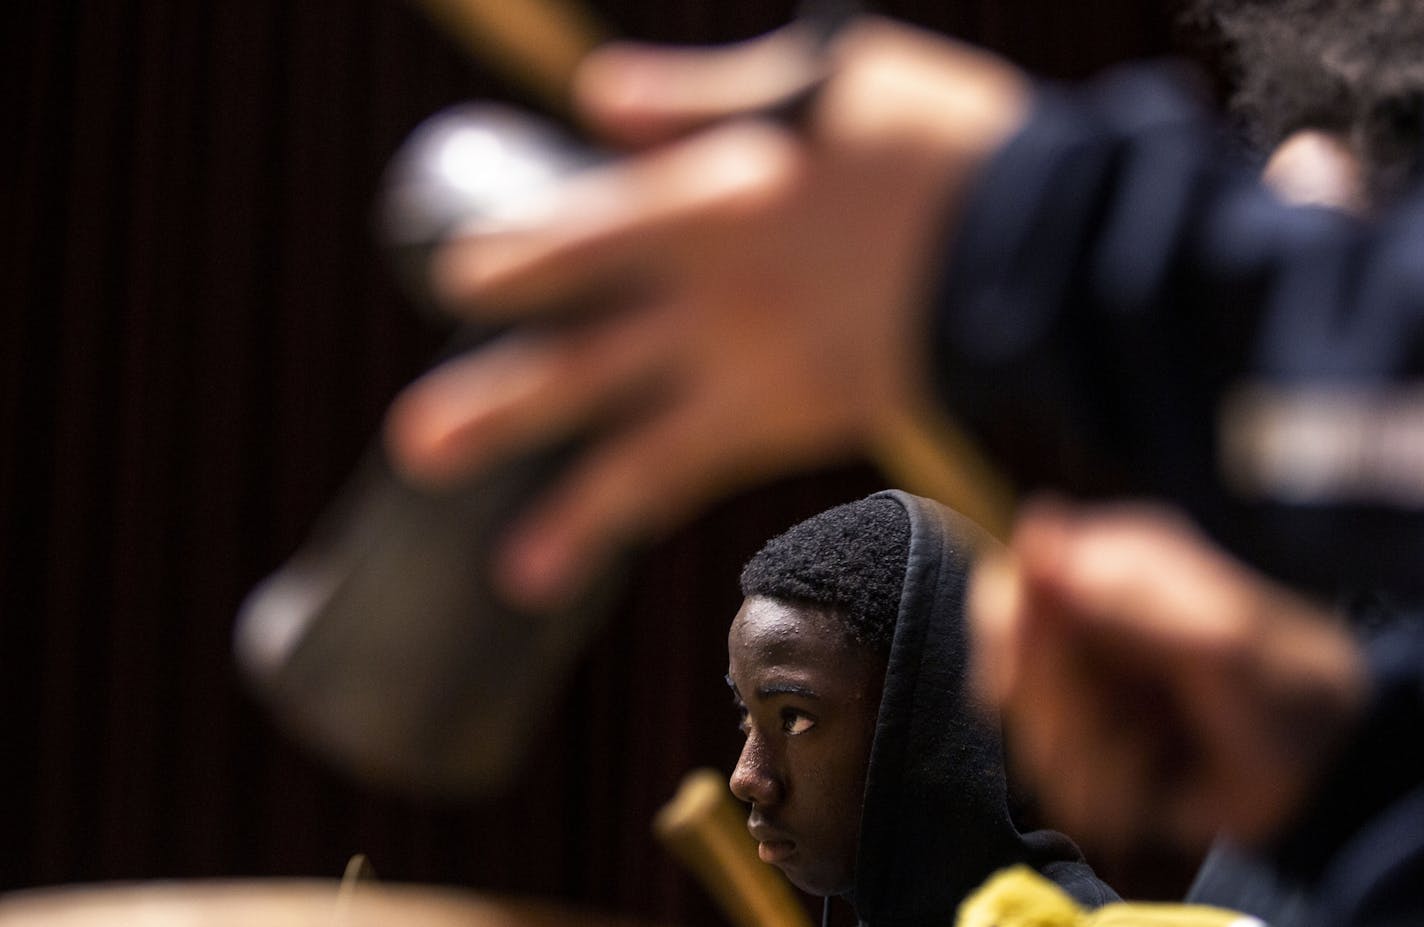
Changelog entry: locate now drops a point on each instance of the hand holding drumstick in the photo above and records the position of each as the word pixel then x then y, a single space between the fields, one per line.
pixel 780 276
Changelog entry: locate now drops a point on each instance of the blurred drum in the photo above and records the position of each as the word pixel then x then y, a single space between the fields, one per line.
pixel 281 903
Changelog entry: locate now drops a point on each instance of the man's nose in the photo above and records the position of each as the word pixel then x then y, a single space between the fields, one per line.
pixel 755 779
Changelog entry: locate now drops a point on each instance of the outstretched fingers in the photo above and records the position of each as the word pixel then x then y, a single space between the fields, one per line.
pixel 525 389
pixel 630 487
pixel 619 227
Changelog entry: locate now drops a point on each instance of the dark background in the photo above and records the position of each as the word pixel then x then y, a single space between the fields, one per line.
pixel 199 338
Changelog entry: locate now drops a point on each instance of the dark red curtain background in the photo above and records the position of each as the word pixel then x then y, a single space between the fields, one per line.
pixel 199 338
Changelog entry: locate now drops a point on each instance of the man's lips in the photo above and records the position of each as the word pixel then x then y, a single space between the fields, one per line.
pixel 775 851
pixel 772 845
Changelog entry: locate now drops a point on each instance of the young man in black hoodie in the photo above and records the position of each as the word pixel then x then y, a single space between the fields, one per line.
pixel 870 771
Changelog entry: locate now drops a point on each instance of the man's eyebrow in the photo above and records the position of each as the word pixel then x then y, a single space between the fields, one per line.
pixel 786 688
pixel 774 688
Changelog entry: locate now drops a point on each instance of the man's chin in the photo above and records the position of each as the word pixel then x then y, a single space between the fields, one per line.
pixel 817 884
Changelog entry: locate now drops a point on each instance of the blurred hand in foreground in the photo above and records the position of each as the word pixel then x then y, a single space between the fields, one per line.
pixel 1153 689
pixel 771 283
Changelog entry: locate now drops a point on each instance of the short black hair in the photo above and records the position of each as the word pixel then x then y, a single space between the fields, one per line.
pixel 1351 67
pixel 849 560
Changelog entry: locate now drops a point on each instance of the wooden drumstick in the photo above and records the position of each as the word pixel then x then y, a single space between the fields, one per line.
pixel 706 829
pixel 359 871
pixel 927 453
pixel 536 44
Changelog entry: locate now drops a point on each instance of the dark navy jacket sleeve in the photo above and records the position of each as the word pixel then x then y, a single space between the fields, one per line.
pixel 1118 281
pixel 1355 853
pixel 1360 845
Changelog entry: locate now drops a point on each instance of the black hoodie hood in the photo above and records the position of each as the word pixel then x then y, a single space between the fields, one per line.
pixel 936 820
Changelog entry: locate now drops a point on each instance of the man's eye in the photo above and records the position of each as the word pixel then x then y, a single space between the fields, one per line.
pixel 794 722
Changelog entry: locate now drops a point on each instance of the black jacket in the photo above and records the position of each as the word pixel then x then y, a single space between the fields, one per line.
pixel 936 820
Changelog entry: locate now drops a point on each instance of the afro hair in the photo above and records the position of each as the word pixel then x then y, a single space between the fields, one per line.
pixel 849 560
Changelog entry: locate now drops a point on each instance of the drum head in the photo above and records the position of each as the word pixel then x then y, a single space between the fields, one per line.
pixel 281 903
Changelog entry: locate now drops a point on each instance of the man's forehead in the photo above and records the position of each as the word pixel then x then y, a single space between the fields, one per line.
pixel 775 646
pixel 787 633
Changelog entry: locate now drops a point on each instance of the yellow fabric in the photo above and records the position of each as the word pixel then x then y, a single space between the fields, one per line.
pixel 1020 897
